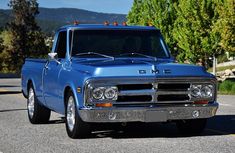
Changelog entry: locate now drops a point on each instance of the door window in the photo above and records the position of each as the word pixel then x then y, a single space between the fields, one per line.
pixel 61 45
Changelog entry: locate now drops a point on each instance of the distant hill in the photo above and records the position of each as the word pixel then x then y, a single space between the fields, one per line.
pixel 50 19
pixel 4 18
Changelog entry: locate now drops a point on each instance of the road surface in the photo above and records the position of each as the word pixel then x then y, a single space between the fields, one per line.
pixel 19 136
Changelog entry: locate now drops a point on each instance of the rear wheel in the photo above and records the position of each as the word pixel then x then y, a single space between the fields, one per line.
pixel 194 126
pixel 37 113
pixel 75 127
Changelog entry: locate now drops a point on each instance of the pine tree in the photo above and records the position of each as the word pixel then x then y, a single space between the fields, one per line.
pixel 28 40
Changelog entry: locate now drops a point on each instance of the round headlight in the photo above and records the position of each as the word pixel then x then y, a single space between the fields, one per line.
pixel 206 91
pixel 111 93
pixel 98 93
pixel 196 90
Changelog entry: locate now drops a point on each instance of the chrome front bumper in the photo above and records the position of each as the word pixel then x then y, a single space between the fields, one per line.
pixel 150 114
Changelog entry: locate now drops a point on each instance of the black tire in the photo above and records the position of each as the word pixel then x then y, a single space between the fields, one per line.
pixel 191 127
pixel 80 128
pixel 41 114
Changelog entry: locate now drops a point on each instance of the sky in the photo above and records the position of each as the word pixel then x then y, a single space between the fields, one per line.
pixel 105 6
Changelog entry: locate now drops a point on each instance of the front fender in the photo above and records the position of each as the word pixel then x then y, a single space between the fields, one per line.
pixel 74 80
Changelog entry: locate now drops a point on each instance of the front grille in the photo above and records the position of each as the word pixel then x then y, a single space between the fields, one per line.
pixel 135 93
pixel 173 87
pixel 173 92
pixel 162 98
pixel 144 98
pixel 149 91
pixel 155 93
pixel 135 86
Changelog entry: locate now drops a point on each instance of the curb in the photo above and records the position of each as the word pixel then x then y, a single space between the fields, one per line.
pixel 9 75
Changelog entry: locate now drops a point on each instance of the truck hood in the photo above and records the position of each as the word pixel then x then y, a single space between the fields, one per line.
pixel 138 67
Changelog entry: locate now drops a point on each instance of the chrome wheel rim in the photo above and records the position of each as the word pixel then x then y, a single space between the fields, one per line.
pixel 70 113
pixel 31 101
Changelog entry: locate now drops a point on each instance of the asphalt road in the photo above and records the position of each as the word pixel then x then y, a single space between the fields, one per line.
pixel 19 136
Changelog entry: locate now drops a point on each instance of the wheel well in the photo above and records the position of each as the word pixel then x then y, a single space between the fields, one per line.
pixel 67 89
pixel 29 84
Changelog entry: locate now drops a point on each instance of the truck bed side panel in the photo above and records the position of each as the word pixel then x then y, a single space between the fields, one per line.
pixel 33 70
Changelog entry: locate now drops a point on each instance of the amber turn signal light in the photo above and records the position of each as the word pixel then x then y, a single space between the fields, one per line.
pixel 115 23
pixel 124 23
pixel 104 105
pixel 106 23
pixel 76 22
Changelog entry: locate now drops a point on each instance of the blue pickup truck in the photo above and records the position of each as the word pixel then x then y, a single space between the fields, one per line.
pixel 116 74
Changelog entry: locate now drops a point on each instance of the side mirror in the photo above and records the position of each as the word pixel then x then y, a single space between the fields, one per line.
pixel 52 56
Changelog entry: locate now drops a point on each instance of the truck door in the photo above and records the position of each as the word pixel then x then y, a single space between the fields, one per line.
pixel 52 72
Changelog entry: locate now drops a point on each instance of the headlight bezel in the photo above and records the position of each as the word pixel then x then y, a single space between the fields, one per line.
pixel 104 97
pixel 199 87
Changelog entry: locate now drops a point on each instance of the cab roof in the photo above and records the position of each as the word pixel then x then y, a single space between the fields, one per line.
pixel 107 27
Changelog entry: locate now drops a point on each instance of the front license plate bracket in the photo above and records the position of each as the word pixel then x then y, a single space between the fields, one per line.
pixel 155 116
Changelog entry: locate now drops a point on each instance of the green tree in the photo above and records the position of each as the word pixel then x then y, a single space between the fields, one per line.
pixel 160 13
pixel 6 37
pixel 28 39
pixel 1 46
pixel 1 50
pixel 135 16
pixel 193 30
pixel 225 25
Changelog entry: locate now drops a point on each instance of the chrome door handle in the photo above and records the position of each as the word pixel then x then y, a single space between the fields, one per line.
pixel 46 67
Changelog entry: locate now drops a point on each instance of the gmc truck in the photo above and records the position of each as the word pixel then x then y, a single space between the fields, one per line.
pixel 116 74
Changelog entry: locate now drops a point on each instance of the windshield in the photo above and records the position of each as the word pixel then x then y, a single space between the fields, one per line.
pixel 119 43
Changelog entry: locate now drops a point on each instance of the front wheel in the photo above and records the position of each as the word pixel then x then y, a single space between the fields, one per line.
pixel 193 126
pixel 75 127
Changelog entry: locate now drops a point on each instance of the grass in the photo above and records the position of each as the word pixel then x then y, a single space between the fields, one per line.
pixel 222 68
pixel 227 87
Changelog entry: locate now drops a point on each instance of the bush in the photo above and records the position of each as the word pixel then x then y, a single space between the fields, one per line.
pixel 227 87
pixel 233 89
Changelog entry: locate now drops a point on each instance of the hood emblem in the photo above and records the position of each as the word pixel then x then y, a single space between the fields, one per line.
pixel 155 71
pixel 167 71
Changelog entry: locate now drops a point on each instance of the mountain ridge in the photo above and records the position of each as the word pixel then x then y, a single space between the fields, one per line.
pixel 50 19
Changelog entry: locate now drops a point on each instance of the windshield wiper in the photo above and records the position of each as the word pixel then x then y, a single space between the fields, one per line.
pixel 139 54
pixel 94 53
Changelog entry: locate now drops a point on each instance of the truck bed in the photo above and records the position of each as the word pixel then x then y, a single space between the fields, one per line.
pixel 33 68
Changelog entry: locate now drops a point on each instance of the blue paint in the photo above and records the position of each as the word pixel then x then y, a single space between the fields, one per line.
pixel 50 82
